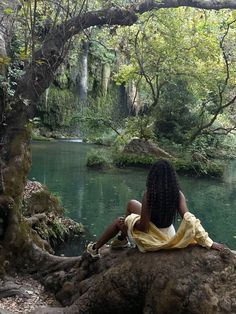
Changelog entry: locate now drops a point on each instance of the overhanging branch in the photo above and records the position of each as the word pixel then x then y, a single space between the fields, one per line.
pixel 200 4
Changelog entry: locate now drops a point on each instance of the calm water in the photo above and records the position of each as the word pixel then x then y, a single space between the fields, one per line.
pixel 95 198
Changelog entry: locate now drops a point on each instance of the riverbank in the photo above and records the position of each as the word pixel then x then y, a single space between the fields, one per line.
pixel 143 153
pixel 188 160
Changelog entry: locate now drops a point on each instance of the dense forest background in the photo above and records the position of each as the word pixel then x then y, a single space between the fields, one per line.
pixel 170 77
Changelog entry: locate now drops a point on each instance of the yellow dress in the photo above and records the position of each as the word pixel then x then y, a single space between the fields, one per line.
pixel 190 231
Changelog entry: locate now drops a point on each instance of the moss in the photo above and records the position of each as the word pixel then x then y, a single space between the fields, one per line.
pixel 99 159
pixel 58 111
pixel 57 229
pixel 184 166
pixel 210 168
pixel 42 201
pixel 52 228
pixel 17 141
pixel 139 160
pixel 19 165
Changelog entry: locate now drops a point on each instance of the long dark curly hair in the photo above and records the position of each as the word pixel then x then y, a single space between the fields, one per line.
pixel 162 193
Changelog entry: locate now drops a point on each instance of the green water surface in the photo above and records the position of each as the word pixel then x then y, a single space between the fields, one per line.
pixel 96 197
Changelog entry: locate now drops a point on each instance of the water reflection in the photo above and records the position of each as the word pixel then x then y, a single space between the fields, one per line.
pixel 95 198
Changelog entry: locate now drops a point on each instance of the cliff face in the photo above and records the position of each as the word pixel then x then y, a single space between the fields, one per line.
pixel 192 280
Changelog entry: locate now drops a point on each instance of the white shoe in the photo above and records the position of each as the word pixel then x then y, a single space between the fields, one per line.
pixel 93 252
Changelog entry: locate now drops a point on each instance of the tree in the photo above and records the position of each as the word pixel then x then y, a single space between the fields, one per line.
pixel 16 112
pixel 182 64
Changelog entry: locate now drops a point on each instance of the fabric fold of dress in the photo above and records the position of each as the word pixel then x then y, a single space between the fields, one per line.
pixel 189 232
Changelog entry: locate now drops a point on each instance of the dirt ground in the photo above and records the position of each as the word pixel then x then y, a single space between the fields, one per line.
pixel 34 296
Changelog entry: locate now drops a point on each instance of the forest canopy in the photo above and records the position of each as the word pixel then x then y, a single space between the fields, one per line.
pixel 168 76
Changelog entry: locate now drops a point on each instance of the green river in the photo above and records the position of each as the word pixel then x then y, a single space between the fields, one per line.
pixel 95 198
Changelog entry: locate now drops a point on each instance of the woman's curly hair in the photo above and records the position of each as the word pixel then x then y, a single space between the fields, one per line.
pixel 162 194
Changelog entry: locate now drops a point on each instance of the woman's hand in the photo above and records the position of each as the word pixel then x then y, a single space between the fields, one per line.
pixel 218 246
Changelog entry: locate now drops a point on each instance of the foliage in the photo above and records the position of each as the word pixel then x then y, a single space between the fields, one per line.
pixel 14 67
pixel 99 50
pixel 139 126
pixel 53 231
pixel 183 73
pixel 99 159
pixel 184 166
pixel 197 168
pixel 175 119
pixel 181 61
pixel 56 108
pixel 137 160
pixel 170 66
pixel 98 119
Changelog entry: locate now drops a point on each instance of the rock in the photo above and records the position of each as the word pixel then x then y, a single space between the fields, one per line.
pixel 2 311
pixel 192 280
pixel 38 199
pixel 139 146
pixel 44 213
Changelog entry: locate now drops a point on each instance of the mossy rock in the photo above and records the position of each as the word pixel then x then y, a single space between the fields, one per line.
pixel 99 159
pixel 52 226
pixel 182 166
pixel 56 230
pixel 146 148
pixel 37 199
pixel 136 160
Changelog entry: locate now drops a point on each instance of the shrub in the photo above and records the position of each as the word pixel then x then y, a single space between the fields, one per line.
pixel 99 159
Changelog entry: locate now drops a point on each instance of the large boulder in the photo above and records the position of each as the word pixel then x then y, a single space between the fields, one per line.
pixel 191 281
pixel 139 146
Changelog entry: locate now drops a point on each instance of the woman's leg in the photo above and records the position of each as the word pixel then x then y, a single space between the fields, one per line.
pixel 133 207
pixel 111 231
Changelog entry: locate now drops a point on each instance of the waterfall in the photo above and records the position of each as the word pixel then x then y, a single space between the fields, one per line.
pixel 106 73
pixel 46 98
pixel 82 78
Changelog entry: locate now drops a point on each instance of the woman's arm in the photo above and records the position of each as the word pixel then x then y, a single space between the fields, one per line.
pixel 218 246
pixel 143 223
pixel 183 208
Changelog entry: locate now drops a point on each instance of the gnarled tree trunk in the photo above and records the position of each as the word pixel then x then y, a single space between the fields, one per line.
pixel 16 113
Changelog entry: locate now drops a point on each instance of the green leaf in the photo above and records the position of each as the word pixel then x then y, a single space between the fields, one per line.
pixel 8 11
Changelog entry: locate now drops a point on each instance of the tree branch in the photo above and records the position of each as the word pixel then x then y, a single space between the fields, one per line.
pixel 200 4
pixel 221 130
pixel 221 91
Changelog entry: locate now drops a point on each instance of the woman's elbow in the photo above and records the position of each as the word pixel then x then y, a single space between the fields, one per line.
pixel 142 227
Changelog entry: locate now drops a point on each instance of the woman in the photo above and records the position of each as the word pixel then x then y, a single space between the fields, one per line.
pixel 149 224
